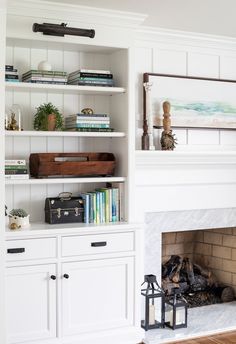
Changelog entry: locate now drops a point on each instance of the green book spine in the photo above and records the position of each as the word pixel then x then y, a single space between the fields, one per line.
pixel 15 167
pixel 107 205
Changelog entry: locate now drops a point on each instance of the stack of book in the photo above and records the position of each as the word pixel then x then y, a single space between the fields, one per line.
pixel 11 74
pixel 16 169
pixel 82 122
pixel 90 77
pixel 45 77
pixel 103 205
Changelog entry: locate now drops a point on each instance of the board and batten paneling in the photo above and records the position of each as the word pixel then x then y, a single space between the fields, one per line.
pixel 188 61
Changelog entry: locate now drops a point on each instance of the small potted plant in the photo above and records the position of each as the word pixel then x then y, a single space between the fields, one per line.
pixel 48 118
pixel 18 218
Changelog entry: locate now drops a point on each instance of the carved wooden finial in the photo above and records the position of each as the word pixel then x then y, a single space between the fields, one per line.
pixel 166 116
pixel 168 140
pixel 166 107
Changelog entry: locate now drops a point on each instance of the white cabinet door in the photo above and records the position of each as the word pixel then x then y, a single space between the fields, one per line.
pixel 97 295
pixel 31 303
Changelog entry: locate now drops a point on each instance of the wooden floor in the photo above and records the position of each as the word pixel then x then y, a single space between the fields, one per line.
pixel 224 338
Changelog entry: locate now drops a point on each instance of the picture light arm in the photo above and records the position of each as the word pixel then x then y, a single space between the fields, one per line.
pixel 61 30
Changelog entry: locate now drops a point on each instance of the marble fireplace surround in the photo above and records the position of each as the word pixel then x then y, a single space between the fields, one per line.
pixel 204 320
pixel 174 221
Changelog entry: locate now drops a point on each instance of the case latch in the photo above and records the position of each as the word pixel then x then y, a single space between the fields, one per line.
pixel 58 213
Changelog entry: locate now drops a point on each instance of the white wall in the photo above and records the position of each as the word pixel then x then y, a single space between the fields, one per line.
pixel 199 174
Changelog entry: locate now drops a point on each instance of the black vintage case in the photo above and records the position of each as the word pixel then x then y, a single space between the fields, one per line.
pixel 64 209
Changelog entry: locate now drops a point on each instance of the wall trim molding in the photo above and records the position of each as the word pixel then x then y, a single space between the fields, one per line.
pixel 78 13
pixel 148 34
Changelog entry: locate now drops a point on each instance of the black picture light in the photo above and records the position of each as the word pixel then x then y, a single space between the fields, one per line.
pixel 61 30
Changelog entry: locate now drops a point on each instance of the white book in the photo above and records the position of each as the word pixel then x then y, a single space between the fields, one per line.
pixel 42 78
pixel 95 71
pixel 16 176
pixel 15 162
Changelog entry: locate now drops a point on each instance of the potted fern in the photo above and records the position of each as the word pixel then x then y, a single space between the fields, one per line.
pixel 18 218
pixel 48 118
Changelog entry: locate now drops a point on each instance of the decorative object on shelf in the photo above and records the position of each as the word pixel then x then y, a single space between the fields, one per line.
pixel 168 139
pixel 11 73
pixel 14 120
pixel 176 310
pixel 91 77
pixel 44 66
pixel 18 218
pixel 43 76
pixel 72 164
pixel 196 102
pixel 16 169
pixel 62 30
pixel 87 121
pixel 87 111
pixel 104 205
pixel 154 304
pixel 64 209
pixel 48 118
pixel 147 87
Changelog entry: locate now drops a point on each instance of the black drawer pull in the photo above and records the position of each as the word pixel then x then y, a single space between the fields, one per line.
pixel 16 250
pixel 99 244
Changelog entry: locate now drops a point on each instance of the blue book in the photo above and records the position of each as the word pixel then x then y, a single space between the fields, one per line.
pixel 85 197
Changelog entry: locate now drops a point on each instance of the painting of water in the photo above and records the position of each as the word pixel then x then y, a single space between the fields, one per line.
pixel 194 102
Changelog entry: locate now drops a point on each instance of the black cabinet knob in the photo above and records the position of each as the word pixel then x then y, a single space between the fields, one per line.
pixel 66 276
pixel 53 277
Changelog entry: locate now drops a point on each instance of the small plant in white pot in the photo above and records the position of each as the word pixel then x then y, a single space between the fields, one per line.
pixel 18 218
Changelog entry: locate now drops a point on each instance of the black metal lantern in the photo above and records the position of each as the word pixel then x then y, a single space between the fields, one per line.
pixel 176 310
pixel 154 303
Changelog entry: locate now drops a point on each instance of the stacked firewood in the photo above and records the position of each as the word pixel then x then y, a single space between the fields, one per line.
pixel 198 284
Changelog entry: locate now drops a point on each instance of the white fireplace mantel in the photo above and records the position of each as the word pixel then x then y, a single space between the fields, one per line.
pixel 184 180
pixel 151 159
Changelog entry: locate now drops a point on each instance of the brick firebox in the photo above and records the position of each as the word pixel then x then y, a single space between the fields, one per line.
pixel 212 248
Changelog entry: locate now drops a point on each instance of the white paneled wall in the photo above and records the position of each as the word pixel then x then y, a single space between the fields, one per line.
pixel 31 197
pixel 188 60
pixel 25 59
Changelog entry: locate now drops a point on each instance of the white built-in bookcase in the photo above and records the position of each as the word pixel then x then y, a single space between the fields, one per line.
pixel 25 54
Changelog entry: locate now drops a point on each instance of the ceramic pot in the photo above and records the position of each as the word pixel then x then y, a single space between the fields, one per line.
pixel 16 222
pixel 51 122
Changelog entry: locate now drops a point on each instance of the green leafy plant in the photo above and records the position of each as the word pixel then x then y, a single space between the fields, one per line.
pixel 18 212
pixel 42 115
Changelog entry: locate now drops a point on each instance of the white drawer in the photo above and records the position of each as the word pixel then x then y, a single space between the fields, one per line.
pixel 31 249
pixel 98 243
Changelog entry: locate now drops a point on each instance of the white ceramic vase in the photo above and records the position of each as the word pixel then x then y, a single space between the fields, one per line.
pixel 44 65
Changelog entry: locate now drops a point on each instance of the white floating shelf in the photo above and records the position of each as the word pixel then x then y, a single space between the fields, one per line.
pixel 41 181
pixel 35 133
pixel 90 90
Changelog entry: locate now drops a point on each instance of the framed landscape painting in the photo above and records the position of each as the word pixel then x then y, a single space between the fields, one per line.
pixel 195 102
